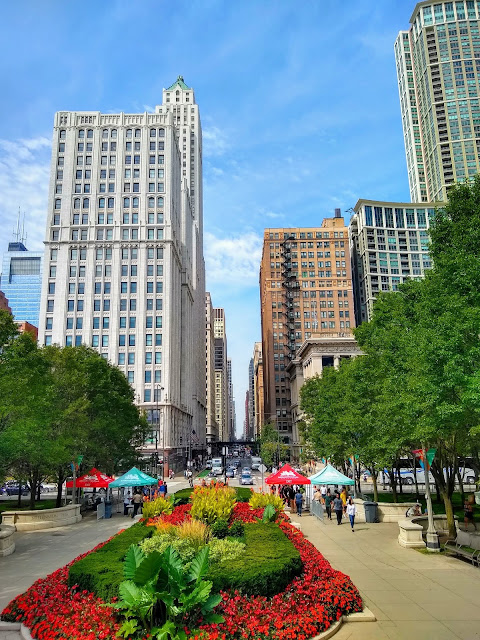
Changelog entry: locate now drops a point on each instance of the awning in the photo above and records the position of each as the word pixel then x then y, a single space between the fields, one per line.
pixel 287 475
pixel 329 475
pixel 94 479
pixel 134 478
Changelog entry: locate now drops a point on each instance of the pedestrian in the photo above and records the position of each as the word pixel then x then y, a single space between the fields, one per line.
pixel 318 495
pixel 328 504
pixel 273 489
pixel 162 490
pixel 343 498
pixel 127 499
pixel 291 498
pixel 298 501
pixel 351 511
pixel 338 508
pixel 468 511
pixel 137 501
pixel 323 491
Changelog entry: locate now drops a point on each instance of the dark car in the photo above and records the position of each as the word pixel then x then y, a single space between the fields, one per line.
pixel 13 490
pixel 230 472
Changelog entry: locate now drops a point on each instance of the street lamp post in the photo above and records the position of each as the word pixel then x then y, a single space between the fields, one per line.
pixel 433 543
pixel 158 389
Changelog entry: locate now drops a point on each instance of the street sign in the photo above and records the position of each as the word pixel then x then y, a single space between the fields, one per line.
pixel 262 468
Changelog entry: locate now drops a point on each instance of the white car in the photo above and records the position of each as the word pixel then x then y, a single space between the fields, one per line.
pixel 246 478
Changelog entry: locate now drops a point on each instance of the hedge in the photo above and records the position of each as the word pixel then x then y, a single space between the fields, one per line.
pixel 102 571
pixel 182 496
pixel 269 564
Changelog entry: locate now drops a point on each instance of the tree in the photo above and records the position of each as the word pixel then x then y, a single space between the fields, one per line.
pixel 60 403
pixel 272 450
pixel 8 328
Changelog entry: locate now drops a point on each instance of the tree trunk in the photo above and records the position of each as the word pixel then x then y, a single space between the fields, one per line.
pixel 375 488
pixel 452 533
pixel 417 493
pixel 60 478
pixel 399 475
pixel 19 501
pixel 438 490
pixel 34 482
pixel 393 484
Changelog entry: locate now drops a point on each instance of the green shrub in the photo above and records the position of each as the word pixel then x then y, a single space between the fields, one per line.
pixel 184 547
pixel 259 500
pixel 102 571
pixel 237 529
pixel 224 550
pixel 182 496
pixel 243 494
pixel 269 563
pixel 219 529
pixel 153 508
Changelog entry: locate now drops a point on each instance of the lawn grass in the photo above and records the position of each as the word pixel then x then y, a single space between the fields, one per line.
pixel 203 474
pixel 11 505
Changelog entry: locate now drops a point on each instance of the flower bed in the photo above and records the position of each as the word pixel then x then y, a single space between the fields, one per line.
pixel 308 605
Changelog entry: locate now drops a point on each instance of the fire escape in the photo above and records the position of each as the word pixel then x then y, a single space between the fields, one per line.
pixel 290 284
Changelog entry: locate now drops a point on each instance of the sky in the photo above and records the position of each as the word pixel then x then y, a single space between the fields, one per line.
pixel 298 101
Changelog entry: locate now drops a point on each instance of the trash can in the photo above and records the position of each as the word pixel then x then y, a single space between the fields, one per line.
pixel 108 509
pixel 370 511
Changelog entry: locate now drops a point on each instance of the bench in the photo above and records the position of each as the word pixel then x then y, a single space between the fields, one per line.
pixel 466 545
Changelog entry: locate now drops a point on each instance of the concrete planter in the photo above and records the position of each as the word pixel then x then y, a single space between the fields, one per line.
pixel 440 522
pixel 7 544
pixel 386 511
pixel 410 535
pixel 44 519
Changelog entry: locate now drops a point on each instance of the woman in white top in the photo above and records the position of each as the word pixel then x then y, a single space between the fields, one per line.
pixel 351 511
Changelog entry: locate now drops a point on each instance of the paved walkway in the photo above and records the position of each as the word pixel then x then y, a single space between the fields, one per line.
pixel 413 595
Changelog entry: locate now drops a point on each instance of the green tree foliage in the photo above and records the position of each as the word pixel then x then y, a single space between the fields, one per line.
pixel 271 446
pixel 419 382
pixel 59 403
pixel 8 328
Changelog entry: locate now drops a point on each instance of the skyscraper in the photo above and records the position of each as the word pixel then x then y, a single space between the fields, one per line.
pixel 21 282
pixel 222 404
pixel 305 289
pixel 124 270
pixel 438 70
pixel 211 427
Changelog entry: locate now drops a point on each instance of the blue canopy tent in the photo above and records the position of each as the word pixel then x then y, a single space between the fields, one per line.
pixel 134 478
pixel 329 475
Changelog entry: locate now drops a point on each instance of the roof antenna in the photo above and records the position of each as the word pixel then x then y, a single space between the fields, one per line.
pixel 16 230
pixel 23 239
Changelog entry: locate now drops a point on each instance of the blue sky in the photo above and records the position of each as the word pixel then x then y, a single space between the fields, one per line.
pixel 299 107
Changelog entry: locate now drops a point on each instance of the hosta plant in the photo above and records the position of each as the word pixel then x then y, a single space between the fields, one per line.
pixel 212 503
pixel 160 598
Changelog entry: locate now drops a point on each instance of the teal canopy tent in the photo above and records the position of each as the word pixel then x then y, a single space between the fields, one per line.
pixel 133 478
pixel 329 475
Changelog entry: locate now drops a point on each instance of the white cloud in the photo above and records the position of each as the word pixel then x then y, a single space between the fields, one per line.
pixel 273 215
pixel 215 141
pixel 234 260
pixel 24 180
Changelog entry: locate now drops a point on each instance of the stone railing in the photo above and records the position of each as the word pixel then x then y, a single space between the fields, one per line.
pixel 42 519
pixel 439 521
pixel 7 544
pixel 411 534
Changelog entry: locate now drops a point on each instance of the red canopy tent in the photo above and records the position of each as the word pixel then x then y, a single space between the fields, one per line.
pixel 94 479
pixel 287 475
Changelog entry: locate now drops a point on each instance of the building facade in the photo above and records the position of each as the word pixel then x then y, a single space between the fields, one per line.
pixel 438 70
pixel 232 423
pixel 222 404
pixel 388 245
pixel 4 306
pixel 124 270
pixel 212 427
pixel 21 282
pixel 315 354
pixel 250 407
pixel 258 401
pixel 305 289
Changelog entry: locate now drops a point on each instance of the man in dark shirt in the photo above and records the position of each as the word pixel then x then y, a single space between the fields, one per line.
pixel 338 508
pixel 328 504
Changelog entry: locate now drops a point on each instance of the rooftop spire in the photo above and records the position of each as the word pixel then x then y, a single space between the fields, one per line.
pixel 179 81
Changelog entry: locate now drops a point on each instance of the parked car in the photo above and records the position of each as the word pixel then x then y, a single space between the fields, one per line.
pixel 13 489
pixel 246 478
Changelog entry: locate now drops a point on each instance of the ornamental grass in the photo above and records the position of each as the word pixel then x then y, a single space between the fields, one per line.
pixel 212 503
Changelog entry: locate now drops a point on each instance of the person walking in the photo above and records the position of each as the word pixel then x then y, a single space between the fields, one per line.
pixel 137 501
pixel 127 499
pixel 338 508
pixel 343 498
pixel 318 496
pixel 351 511
pixel 328 504
pixel 299 501
pixel 323 491
pixel 468 511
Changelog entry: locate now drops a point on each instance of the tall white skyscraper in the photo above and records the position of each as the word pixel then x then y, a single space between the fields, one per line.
pixel 438 69
pixel 124 269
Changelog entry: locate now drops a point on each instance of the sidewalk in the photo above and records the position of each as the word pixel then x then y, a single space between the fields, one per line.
pixel 413 595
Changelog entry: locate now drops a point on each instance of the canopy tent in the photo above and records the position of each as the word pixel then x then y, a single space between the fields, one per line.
pixel 329 475
pixel 133 478
pixel 94 479
pixel 287 475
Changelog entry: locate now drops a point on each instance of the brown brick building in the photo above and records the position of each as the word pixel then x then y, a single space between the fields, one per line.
pixel 305 291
